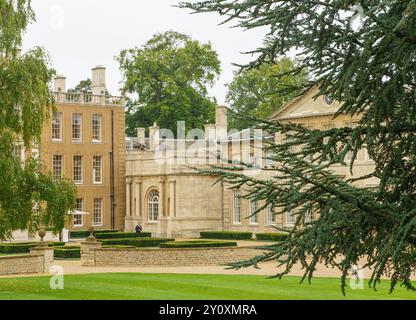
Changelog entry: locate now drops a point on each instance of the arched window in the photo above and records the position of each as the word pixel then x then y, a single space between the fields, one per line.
pixel 153 205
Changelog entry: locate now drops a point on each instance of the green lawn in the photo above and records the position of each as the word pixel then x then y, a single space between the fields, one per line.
pixel 186 287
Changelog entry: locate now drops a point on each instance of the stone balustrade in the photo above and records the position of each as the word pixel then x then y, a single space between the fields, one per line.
pixel 89 99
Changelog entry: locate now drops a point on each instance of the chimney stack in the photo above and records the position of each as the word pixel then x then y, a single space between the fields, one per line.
pixel 141 135
pixel 98 81
pixel 221 122
pixel 60 84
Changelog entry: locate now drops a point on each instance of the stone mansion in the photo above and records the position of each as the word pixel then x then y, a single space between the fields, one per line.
pixel 166 195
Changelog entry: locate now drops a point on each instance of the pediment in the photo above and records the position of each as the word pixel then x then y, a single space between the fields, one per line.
pixel 306 105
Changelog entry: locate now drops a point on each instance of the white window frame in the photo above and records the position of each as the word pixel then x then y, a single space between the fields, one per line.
pixel 290 218
pixel 97 211
pixel 79 215
pixel 236 207
pixel 18 147
pixel 59 118
pixel 77 117
pixel 254 220
pixel 270 217
pixel 153 205
pixel 269 162
pixel 81 169
pixel 54 166
pixel 100 127
pixel 94 169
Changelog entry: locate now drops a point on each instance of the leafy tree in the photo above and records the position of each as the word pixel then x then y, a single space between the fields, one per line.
pixel 363 54
pixel 168 79
pixel 85 86
pixel 28 197
pixel 259 92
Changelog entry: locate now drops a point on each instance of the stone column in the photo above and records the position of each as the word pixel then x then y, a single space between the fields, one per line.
pixel 161 198
pixel 46 253
pixel 128 197
pixel 88 250
pixel 138 194
pixel 172 196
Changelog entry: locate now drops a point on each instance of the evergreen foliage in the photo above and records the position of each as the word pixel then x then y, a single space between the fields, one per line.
pixel 363 54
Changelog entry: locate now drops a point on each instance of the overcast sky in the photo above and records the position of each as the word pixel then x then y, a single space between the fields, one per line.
pixel 80 34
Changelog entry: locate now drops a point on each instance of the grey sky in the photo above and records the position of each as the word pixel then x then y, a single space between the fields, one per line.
pixel 80 34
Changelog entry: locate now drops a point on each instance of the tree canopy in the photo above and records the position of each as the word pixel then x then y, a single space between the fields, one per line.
pixel 85 86
pixel 259 92
pixel 28 197
pixel 363 54
pixel 167 80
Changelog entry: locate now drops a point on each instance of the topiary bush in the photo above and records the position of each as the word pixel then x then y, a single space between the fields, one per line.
pixel 234 235
pixel 69 252
pixel 272 236
pixel 198 244
pixel 24 247
pixel 84 233
pixel 121 235
pixel 136 242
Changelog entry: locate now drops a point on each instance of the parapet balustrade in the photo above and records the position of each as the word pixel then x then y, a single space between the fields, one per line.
pixel 83 98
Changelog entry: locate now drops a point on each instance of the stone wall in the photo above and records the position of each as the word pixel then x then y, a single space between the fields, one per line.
pixel 38 261
pixel 166 257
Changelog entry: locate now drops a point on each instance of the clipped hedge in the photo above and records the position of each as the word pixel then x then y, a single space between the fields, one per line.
pixel 198 244
pixel 118 247
pixel 272 236
pixel 70 252
pixel 85 233
pixel 233 235
pixel 121 235
pixel 136 242
pixel 24 247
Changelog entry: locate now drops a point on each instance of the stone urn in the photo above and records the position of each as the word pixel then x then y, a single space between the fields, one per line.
pixel 91 236
pixel 42 234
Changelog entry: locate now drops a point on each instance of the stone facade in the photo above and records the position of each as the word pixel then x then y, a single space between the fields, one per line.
pixel 38 261
pixel 188 203
pixel 92 129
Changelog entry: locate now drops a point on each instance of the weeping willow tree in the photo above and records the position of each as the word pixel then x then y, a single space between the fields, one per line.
pixel 28 197
pixel 362 54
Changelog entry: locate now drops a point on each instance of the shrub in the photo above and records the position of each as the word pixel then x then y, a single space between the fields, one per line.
pixel 198 244
pixel 85 233
pixel 121 235
pixel 272 236
pixel 24 247
pixel 226 235
pixel 70 252
pixel 136 242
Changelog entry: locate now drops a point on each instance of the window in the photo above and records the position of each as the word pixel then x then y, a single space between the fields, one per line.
pixel 97 169
pixel 57 126
pixel 153 205
pixel 237 207
pixel 269 155
pixel 96 127
pixel 98 212
pixel 270 215
pixel 57 167
pixel 253 208
pixel 308 216
pixel 77 169
pixel 78 217
pixel 18 152
pixel 77 127
pixel 350 154
pixel 290 218
pixel 326 128
pixel 328 100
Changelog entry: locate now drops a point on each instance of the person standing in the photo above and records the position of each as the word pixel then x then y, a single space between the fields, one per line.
pixel 138 230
